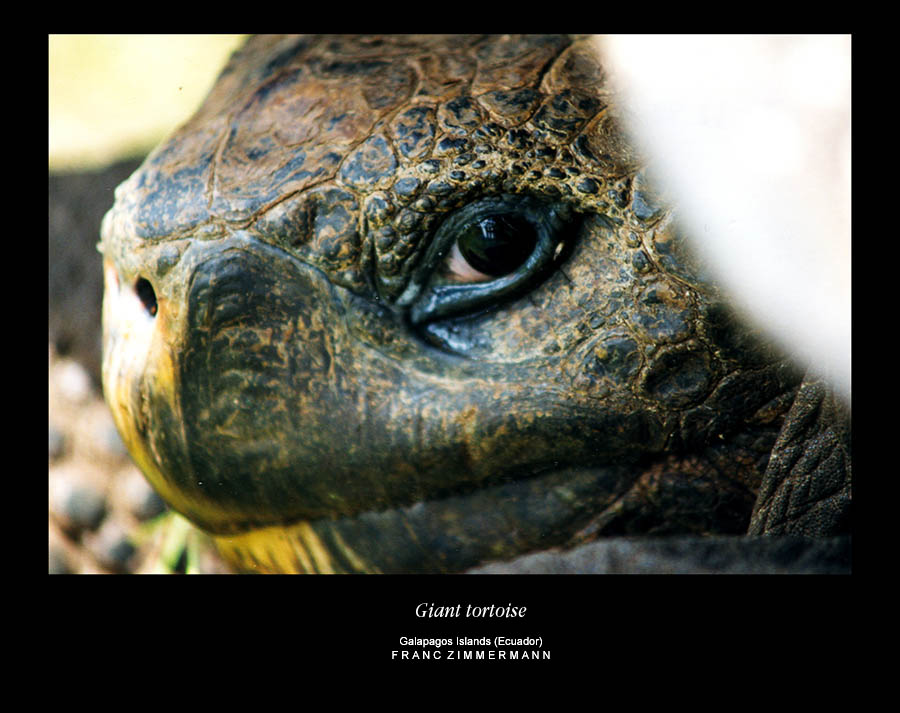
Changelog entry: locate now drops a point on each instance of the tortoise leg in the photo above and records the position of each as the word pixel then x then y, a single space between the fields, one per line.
pixel 806 487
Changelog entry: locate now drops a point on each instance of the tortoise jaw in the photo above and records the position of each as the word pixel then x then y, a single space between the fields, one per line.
pixel 441 535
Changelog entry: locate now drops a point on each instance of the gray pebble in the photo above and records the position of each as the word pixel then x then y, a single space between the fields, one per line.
pixel 141 499
pixel 152 506
pixel 57 443
pixel 113 549
pixel 112 442
pixel 85 508
pixel 59 562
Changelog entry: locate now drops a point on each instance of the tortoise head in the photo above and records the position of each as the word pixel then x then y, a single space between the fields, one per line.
pixel 409 304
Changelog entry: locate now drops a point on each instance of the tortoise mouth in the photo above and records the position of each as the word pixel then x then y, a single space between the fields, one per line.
pixel 441 534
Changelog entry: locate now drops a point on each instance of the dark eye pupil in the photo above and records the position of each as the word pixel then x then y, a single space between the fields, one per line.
pixel 497 245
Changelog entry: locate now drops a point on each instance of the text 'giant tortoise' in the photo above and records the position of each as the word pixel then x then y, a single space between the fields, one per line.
pixel 393 304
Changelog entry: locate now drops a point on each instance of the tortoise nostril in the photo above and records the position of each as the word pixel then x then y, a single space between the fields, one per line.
pixel 146 294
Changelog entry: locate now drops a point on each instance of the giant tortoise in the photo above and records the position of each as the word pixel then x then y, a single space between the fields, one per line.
pixel 411 304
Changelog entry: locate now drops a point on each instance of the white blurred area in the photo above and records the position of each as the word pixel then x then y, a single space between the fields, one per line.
pixel 751 136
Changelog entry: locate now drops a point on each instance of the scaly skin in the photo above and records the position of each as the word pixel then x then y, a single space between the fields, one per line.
pixel 307 386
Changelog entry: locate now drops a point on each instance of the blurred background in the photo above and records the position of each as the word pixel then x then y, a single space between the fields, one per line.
pixel 112 98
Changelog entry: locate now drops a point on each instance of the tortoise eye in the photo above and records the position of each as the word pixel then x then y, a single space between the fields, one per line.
pixel 486 252
pixel 493 246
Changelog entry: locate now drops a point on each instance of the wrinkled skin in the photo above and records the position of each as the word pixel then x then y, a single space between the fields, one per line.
pixel 293 369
